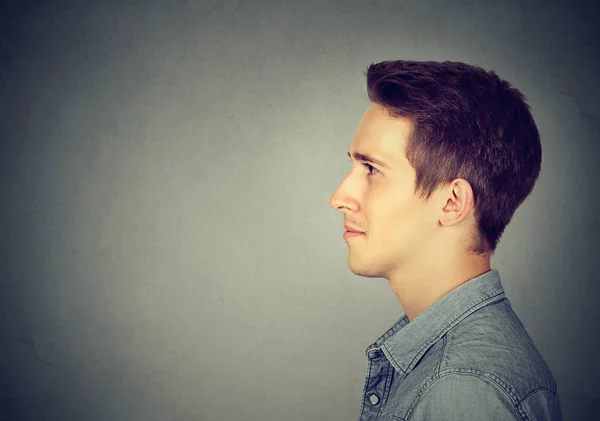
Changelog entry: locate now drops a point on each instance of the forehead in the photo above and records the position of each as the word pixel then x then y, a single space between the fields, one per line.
pixel 381 135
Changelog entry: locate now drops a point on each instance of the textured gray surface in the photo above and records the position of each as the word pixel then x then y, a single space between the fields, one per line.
pixel 168 251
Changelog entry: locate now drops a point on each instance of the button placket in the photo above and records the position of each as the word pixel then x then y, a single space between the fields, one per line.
pixel 376 384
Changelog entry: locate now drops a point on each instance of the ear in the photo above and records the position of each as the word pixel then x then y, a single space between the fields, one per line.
pixel 457 200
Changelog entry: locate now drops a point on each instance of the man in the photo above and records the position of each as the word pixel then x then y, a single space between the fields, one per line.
pixel 441 160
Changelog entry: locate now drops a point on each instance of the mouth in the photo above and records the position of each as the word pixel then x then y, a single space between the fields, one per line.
pixel 350 234
pixel 352 230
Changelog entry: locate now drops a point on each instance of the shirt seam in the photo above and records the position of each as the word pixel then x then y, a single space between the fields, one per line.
pixel 439 365
pixel 530 394
pixel 488 377
pixel 534 391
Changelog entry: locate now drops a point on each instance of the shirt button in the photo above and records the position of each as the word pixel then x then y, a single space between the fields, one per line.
pixel 374 353
pixel 374 399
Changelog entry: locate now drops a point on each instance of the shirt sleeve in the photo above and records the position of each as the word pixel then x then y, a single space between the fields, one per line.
pixel 462 396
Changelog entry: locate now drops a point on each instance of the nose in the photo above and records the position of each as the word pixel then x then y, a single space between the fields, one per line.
pixel 341 200
pixel 335 201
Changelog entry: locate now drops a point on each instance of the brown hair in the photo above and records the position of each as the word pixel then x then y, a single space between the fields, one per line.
pixel 467 123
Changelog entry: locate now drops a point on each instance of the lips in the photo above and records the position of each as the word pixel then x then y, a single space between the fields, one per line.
pixel 351 229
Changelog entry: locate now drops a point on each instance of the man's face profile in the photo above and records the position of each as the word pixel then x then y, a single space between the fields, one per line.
pixel 378 198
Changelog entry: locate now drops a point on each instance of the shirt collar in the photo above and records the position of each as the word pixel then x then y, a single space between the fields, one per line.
pixel 405 343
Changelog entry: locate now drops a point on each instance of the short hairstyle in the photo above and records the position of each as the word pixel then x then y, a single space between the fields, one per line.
pixel 466 123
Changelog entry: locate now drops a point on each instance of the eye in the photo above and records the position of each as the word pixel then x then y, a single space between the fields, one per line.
pixel 370 167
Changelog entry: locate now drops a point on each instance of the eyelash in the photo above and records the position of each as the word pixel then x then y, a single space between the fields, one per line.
pixel 369 167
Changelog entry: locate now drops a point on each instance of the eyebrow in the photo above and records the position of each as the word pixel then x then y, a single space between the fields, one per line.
pixel 367 158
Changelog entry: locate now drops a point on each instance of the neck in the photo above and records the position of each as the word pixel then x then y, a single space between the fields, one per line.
pixel 422 283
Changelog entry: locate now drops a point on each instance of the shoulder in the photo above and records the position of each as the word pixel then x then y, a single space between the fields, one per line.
pixel 465 395
pixel 488 368
pixel 494 341
pixel 471 395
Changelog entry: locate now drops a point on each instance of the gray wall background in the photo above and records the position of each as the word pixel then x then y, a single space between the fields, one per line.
pixel 168 250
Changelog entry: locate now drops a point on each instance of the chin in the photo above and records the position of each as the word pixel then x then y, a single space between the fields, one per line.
pixel 364 269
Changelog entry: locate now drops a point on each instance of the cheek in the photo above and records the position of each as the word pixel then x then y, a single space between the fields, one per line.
pixel 394 204
pixel 398 221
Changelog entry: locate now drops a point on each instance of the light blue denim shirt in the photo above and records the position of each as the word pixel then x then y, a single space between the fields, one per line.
pixel 466 357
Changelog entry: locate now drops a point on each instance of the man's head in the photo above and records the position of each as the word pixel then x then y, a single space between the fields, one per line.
pixel 462 152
